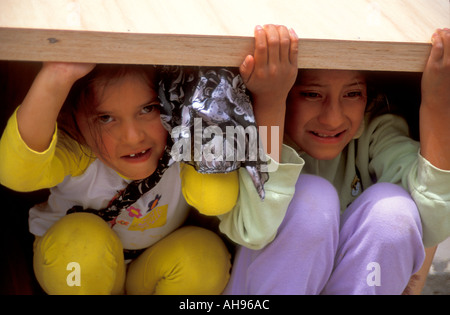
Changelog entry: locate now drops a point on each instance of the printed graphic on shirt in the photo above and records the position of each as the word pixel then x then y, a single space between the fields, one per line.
pixel 137 219
pixel 155 218
pixel 122 222
pixel 152 204
pixel 134 212
pixel 356 186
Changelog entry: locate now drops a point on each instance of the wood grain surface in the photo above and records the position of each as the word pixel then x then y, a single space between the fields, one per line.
pixel 391 35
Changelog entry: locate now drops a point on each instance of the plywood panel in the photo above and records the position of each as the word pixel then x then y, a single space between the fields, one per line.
pixel 349 34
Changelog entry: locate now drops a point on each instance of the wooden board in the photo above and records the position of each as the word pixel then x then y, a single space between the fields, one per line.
pixel 392 35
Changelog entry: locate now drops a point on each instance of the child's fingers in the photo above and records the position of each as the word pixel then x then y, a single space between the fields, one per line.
pixel 440 50
pixel 273 43
pixel 260 47
pixel 293 53
pixel 285 43
pixel 445 35
pixel 436 75
pixel 246 68
pixel 437 48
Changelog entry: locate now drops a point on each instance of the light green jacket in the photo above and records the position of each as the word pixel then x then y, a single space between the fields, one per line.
pixel 384 152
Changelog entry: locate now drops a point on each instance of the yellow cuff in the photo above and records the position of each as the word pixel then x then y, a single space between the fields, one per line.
pixel 210 194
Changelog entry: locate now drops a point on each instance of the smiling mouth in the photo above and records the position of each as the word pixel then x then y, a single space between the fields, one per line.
pixel 137 155
pixel 327 136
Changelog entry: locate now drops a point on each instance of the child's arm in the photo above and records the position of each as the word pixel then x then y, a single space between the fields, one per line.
pixel 435 105
pixel 36 117
pixel 269 75
pixel 434 129
pixel 32 155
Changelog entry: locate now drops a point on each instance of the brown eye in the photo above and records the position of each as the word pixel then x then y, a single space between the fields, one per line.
pixel 309 94
pixel 104 119
pixel 314 96
pixel 354 94
pixel 150 109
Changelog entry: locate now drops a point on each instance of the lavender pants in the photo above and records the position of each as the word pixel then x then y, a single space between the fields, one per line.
pixel 373 248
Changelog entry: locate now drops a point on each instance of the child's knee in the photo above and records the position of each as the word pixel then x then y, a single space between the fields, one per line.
pixel 387 191
pixel 316 190
pixel 79 225
pixel 78 233
pixel 206 261
pixel 191 260
pixel 315 204
pixel 81 246
pixel 390 201
pixel 313 214
pixel 389 209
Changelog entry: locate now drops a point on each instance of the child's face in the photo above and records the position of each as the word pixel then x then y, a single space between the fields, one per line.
pixel 324 111
pixel 125 132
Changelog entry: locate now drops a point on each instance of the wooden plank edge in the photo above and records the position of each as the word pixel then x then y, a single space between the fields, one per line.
pixel 190 50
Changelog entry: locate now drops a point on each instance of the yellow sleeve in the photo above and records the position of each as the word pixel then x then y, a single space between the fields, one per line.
pixel 210 194
pixel 24 169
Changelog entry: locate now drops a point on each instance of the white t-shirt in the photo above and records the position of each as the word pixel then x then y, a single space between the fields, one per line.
pixel 156 214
